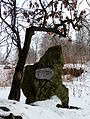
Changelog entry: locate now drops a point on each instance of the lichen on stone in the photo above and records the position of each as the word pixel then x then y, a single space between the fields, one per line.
pixel 36 89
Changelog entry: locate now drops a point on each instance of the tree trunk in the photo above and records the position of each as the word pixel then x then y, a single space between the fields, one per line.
pixel 15 88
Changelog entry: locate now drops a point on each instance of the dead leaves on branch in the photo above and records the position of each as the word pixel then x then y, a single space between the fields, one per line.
pixel 54 10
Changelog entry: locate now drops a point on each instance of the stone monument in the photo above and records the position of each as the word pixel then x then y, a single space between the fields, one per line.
pixel 43 79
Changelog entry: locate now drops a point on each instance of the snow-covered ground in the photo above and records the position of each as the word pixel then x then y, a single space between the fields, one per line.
pixel 79 96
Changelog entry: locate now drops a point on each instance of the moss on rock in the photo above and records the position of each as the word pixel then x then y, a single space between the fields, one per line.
pixel 40 89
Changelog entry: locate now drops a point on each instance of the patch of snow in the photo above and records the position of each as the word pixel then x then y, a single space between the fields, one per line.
pixel 79 96
pixel 77 66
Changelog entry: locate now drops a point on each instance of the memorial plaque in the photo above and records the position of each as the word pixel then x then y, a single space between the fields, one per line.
pixel 44 73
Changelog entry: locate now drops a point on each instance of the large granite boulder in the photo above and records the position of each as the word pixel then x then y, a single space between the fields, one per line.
pixel 43 79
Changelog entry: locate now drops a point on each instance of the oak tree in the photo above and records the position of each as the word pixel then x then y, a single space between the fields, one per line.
pixel 53 16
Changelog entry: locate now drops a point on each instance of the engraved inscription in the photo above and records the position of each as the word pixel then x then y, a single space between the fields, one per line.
pixel 44 73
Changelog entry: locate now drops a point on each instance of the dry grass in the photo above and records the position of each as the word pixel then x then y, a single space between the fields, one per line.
pixel 69 73
pixel 6 77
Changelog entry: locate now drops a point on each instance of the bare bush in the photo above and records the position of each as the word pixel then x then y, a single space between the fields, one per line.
pixel 74 51
pixel 6 76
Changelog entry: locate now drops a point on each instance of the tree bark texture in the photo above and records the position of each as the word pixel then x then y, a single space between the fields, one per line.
pixel 15 88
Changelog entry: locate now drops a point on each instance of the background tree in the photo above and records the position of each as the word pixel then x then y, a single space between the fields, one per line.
pixel 39 15
pixel 1 58
pixel 77 51
pixel 32 56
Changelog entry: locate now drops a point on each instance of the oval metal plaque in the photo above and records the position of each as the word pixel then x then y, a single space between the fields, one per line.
pixel 44 73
